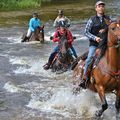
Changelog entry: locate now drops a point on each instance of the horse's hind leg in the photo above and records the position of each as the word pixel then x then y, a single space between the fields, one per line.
pixel 101 93
pixel 117 104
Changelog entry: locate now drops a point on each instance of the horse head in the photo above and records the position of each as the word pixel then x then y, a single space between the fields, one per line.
pixel 114 34
pixel 39 34
pixel 63 46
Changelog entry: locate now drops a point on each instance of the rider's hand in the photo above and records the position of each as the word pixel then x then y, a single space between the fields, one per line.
pixel 98 39
pixel 102 31
pixel 97 51
pixel 51 37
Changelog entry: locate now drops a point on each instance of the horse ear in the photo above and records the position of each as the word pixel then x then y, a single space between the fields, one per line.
pixel 107 21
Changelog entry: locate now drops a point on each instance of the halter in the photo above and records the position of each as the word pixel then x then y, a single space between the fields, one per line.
pixel 115 75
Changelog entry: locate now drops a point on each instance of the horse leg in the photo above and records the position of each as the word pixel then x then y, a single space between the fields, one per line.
pixel 101 93
pixel 117 103
pixel 41 36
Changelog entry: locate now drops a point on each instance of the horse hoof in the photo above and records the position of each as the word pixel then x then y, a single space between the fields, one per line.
pixel 98 113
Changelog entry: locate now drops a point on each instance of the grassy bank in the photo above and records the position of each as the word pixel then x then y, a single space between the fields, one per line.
pixel 19 4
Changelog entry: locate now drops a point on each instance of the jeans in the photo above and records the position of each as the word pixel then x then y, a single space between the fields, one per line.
pixel 74 52
pixel 54 52
pixel 91 54
pixel 29 33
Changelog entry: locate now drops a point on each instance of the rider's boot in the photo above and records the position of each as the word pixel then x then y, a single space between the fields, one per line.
pixel 84 81
pixel 47 66
pixel 25 39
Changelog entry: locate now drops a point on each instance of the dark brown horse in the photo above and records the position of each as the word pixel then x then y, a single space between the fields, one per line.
pixel 105 76
pixel 63 59
pixel 38 35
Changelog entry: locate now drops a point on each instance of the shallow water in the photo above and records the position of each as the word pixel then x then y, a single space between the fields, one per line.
pixel 27 92
pixel 30 93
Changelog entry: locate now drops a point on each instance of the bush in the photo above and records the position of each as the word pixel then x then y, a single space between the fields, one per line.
pixel 19 4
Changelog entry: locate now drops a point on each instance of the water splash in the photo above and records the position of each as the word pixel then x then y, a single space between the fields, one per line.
pixel 67 104
pixel 11 87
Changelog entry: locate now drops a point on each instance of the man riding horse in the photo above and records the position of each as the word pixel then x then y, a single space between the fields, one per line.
pixel 34 23
pixel 62 31
pixel 96 30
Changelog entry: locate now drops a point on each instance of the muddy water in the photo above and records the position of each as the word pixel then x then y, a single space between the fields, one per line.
pixel 27 92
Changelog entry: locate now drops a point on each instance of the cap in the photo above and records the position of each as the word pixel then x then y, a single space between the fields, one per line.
pixel 60 12
pixel 99 2
pixel 35 14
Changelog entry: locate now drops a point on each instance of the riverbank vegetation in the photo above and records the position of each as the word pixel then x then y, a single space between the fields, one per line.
pixel 20 4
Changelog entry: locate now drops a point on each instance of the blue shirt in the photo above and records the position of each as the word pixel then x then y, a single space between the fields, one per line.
pixel 34 23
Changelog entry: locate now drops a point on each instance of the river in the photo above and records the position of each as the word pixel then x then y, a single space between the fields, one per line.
pixel 27 92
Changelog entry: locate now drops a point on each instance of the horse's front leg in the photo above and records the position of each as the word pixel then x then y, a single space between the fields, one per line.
pixel 101 93
pixel 117 104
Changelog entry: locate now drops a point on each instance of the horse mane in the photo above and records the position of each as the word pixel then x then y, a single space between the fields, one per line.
pixel 103 49
pixel 63 39
pixel 103 44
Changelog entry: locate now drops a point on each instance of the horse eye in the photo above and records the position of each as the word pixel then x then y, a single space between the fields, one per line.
pixel 113 28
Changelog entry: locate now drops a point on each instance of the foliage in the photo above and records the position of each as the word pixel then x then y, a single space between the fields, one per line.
pixel 19 4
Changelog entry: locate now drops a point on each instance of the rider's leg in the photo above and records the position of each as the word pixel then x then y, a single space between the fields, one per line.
pixel 29 33
pixel 89 59
pixel 74 52
pixel 52 55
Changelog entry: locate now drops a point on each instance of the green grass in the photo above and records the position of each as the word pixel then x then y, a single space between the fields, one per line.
pixel 19 4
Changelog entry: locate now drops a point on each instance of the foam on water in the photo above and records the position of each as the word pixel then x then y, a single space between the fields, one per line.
pixel 28 87
pixel 11 87
pixel 60 100
pixel 18 60
pixel 32 66
pixel 65 103
pixel 16 39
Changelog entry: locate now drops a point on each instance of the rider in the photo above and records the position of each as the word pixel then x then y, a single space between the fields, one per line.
pixel 56 38
pixel 34 23
pixel 96 30
pixel 61 17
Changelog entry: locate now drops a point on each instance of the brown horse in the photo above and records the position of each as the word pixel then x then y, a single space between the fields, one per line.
pixel 38 35
pixel 105 76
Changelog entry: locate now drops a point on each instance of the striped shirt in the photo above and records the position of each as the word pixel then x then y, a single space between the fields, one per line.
pixel 88 29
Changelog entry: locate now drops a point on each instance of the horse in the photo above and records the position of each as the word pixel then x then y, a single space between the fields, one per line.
pixel 105 77
pixel 38 35
pixel 64 58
